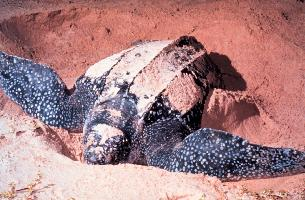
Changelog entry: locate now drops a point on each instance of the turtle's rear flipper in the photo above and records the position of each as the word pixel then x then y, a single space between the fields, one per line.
pixel 217 153
pixel 39 91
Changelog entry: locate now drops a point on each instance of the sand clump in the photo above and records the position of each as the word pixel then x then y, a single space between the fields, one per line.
pixel 242 114
pixel 259 47
pixel 26 152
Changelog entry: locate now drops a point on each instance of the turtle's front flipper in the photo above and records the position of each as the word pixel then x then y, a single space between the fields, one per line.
pixel 217 153
pixel 41 93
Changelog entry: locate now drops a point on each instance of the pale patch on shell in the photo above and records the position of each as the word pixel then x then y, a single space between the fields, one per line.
pixel 130 65
pixel 100 68
pixel 161 71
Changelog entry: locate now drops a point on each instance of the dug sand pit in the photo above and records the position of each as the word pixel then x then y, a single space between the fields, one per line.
pixel 259 47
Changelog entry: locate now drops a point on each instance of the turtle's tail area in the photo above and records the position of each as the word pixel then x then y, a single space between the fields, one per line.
pixel 38 90
pixel 221 154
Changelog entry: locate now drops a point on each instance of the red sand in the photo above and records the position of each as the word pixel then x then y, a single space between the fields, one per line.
pixel 259 45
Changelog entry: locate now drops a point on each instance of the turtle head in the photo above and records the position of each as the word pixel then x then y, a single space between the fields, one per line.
pixel 109 128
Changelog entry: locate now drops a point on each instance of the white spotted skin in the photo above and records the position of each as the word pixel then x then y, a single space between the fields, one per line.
pixel 42 94
pixel 217 153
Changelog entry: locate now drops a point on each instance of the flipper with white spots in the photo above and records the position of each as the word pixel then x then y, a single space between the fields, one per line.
pixel 216 153
pixel 41 93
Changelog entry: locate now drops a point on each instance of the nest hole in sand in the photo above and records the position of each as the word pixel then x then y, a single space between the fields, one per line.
pixel 73 39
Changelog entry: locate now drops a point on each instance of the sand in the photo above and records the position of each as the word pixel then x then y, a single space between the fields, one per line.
pixel 258 45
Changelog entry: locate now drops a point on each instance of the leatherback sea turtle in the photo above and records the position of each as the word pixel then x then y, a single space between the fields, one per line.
pixel 144 105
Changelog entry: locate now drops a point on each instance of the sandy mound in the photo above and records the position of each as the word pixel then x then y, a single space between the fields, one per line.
pixel 28 151
pixel 243 115
pixel 259 47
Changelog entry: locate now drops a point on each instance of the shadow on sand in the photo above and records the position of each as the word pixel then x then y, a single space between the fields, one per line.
pixel 232 79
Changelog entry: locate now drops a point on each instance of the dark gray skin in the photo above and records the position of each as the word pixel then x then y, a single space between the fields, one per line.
pixel 42 94
pixel 217 153
pixel 164 139
pixel 117 148
pixel 171 145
